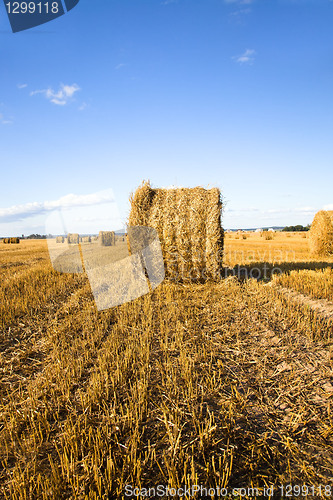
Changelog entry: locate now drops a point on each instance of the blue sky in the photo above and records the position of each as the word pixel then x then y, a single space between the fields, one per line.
pixel 235 94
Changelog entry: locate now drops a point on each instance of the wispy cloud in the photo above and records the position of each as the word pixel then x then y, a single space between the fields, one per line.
pixel 271 212
pixel 120 65
pixel 246 58
pixel 237 14
pixel 239 2
pixel 20 212
pixel 330 205
pixel 167 2
pixel 5 121
pixel 82 106
pixel 61 97
pixel 22 85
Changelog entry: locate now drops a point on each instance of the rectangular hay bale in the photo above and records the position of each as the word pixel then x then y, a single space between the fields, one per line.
pixel 73 238
pixel 107 238
pixel 188 222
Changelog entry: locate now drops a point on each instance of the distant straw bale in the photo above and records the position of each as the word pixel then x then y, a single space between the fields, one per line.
pixel 86 239
pixel 188 222
pixel 107 238
pixel 59 239
pixel 6 241
pixel 321 234
pixel 73 238
pixel 14 240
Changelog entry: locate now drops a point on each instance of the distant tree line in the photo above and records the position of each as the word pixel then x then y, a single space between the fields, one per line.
pixel 299 227
pixel 36 237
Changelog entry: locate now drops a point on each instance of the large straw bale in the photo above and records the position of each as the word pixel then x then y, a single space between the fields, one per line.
pixel 59 239
pixel 107 238
pixel 73 238
pixel 321 234
pixel 188 222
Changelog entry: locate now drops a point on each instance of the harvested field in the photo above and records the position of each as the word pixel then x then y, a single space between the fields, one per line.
pixel 317 284
pixel 223 384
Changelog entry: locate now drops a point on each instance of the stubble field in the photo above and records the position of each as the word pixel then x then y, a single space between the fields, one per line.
pixel 225 384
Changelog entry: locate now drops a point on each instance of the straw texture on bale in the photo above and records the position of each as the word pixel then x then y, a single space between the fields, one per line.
pixel 107 238
pixel 321 234
pixel 73 238
pixel 59 239
pixel 188 222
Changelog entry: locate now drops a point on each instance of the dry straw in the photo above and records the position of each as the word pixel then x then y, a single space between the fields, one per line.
pixel 107 238
pixel 188 222
pixel 321 234
pixel 14 240
pixel 86 239
pixel 73 238
pixel 59 239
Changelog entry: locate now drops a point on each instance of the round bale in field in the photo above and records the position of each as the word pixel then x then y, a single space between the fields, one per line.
pixel 188 222
pixel 321 234
pixel 59 239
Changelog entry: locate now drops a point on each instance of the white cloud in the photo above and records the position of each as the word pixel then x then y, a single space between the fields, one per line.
pixel 240 2
pixel 82 106
pixel 22 85
pixel 271 212
pixel 5 121
pixel 246 58
pixel 330 205
pixel 306 209
pixel 242 210
pixel 19 212
pixel 238 13
pixel 60 97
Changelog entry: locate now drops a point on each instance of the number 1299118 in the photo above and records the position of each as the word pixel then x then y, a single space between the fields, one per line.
pixel 32 7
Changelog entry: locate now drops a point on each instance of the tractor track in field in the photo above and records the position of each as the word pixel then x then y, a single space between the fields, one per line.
pixel 322 307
